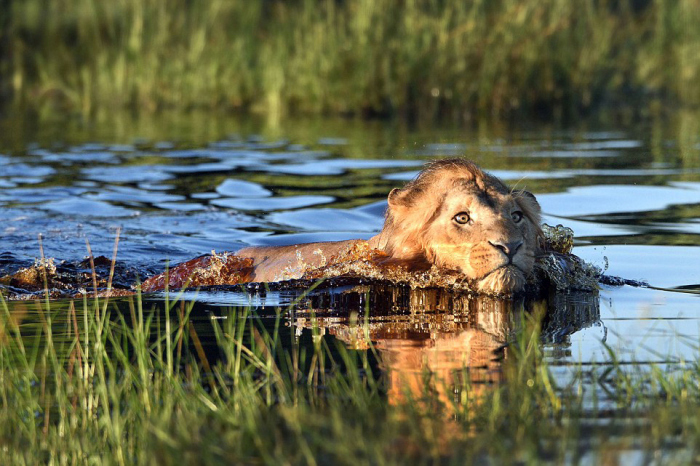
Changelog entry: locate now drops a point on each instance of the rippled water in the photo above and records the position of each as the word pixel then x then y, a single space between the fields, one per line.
pixel 631 193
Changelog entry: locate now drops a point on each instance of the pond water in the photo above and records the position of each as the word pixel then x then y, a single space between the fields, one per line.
pixel 179 187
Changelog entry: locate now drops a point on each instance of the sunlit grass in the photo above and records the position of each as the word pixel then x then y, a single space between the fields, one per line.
pixel 423 58
pixel 81 382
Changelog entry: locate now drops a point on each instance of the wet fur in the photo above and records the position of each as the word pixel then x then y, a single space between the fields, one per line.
pixel 418 231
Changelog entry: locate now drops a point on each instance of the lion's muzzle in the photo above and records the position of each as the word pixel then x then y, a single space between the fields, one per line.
pixel 507 248
pixel 503 280
pixel 497 266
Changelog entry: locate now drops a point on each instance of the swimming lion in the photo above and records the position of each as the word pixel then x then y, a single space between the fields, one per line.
pixel 458 217
pixel 453 216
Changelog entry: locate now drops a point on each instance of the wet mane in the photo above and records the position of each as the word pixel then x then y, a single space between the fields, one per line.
pixel 413 207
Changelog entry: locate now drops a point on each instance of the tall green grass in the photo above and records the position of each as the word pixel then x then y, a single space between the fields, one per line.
pixel 93 383
pixel 418 58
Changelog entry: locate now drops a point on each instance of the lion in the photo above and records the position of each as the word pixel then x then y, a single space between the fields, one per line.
pixel 453 216
pixel 453 226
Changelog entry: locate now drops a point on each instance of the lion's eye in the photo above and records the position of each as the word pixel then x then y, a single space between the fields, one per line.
pixel 517 216
pixel 462 218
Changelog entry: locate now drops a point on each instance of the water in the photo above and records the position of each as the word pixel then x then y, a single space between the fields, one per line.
pixel 185 186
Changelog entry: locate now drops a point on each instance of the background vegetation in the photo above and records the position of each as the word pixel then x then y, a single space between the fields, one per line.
pixel 417 58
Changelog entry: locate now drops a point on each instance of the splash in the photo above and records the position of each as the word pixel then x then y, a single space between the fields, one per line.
pixel 32 277
pixel 556 267
pixel 62 279
pixel 558 238
pixel 563 270
pixel 362 261
pixel 215 269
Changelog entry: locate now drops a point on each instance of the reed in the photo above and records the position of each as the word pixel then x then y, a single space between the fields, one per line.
pixel 417 58
pixel 122 384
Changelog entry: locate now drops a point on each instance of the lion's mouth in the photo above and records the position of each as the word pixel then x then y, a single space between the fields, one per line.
pixel 506 279
pixel 512 268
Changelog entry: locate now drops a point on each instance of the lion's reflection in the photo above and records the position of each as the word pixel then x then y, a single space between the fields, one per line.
pixel 441 341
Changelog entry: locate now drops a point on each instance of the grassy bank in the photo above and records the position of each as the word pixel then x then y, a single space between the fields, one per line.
pixel 138 386
pixel 419 58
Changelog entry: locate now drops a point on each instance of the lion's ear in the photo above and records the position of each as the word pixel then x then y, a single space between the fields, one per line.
pixel 396 198
pixel 530 197
pixel 527 201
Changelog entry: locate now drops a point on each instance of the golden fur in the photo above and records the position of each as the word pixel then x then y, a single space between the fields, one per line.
pixel 453 216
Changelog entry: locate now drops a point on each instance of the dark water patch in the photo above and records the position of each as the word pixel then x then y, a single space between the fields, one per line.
pixel 587 176
pixel 68 159
pixel 43 194
pixel 194 154
pixel 609 143
pixel 573 154
pixel 121 148
pixel 507 175
pixel 336 167
pixel 333 141
pixel 251 158
pixel 164 145
pixel 126 194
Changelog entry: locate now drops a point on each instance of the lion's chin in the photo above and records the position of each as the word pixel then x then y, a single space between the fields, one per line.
pixel 503 280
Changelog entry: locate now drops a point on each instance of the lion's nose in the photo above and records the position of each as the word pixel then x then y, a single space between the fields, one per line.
pixel 509 249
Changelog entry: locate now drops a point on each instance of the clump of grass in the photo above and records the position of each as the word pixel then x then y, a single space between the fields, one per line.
pixel 135 386
pixel 420 58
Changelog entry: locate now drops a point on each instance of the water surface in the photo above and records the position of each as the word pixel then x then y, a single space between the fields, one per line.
pixel 186 187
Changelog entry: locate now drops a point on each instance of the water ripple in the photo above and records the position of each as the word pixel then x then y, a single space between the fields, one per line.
pixel 241 188
pixel 77 206
pixel 126 174
pixel 272 203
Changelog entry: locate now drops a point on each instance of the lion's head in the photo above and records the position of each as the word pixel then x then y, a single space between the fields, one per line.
pixel 457 217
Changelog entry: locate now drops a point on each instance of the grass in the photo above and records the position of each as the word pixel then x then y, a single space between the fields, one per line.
pixel 418 58
pixel 99 382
